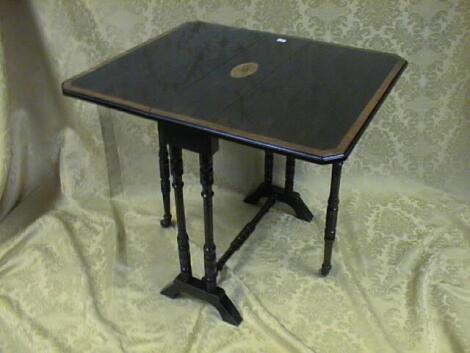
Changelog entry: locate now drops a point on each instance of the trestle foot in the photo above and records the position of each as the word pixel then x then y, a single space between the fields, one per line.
pixel 197 288
pixel 290 198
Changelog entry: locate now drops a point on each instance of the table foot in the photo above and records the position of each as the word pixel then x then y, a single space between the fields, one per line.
pixel 165 222
pixel 290 198
pixel 325 270
pixel 197 288
pixel 171 290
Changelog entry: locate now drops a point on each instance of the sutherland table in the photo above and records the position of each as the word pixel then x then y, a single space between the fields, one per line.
pixel 300 98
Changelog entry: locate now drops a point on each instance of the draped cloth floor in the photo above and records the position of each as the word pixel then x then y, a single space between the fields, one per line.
pixel 83 257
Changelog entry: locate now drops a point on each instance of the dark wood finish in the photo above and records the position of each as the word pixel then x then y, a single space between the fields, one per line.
pixel 245 233
pixel 301 98
pixel 331 217
pixel 268 167
pixel 292 199
pixel 206 289
pixel 197 288
pixel 164 179
pixel 286 195
pixel 207 179
pixel 328 92
pixel 290 172
pixel 182 236
pixel 190 139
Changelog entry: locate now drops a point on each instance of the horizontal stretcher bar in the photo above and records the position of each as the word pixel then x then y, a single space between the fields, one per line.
pixel 246 232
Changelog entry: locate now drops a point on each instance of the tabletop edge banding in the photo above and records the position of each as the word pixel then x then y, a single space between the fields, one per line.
pixel 320 156
pixel 352 136
pixel 257 141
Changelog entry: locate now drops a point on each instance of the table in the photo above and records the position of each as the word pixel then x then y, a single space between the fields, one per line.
pixel 301 98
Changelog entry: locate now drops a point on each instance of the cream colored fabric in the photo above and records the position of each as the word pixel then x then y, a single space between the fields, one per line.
pixel 82 255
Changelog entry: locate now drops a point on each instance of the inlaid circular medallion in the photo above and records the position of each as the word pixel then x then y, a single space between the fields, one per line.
pixel 244 70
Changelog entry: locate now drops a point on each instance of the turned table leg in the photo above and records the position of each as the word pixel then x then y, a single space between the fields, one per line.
pixel 290 173
pixel 164 179
pixel 182 235
pixel 268 168
pixel 206 288
pixel 207 179
pixel 331 217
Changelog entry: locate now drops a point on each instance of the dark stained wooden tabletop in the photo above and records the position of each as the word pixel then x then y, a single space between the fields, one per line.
pixel 296 96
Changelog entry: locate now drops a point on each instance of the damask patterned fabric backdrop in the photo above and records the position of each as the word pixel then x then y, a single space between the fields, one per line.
pixel 82 256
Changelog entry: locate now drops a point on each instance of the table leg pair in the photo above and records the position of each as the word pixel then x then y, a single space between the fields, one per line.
pixel 287 194
pixel 206 288
pixel 266 189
